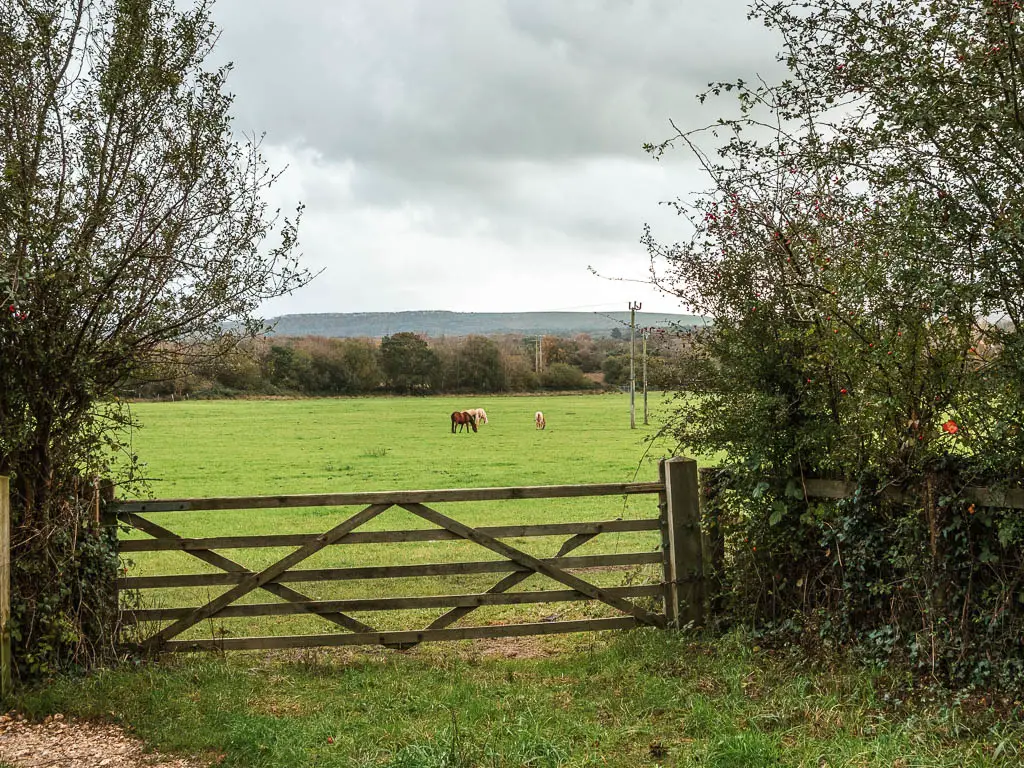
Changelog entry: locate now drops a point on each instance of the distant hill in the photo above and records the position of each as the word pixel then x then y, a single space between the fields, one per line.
pixel 376 324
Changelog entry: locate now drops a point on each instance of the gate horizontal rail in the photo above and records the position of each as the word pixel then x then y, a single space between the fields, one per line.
pixel 383 537
pixel 388 571
pixel 676 491
pixel 389 497
pixel 401 638
pixel 398 603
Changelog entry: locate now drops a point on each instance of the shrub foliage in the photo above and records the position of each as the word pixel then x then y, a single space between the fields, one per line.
pixel 859 252
pixel 132 227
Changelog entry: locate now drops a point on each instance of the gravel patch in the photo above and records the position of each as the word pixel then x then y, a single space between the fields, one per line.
pixel 58 742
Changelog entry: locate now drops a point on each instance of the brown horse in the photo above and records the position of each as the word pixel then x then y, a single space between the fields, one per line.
pixel 463 419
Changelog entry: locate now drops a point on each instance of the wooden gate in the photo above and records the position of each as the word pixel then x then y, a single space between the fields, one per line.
pixel 680 591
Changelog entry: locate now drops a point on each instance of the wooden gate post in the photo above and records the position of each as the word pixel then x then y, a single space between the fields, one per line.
pixel 5 587
pixel 684 565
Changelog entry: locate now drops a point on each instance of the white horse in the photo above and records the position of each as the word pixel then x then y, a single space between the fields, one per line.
pixel 480 413
pixel 538 419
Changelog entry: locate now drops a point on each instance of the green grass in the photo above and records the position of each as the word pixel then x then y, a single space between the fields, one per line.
pixel 250 447
pixel 638 698
pixel 615 699
pixel 217 448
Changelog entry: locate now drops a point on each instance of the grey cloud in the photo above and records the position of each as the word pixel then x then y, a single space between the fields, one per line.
pixel 427 84
pixel 509 132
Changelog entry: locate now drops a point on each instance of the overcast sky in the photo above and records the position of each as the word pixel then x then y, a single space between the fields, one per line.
pixel 479 155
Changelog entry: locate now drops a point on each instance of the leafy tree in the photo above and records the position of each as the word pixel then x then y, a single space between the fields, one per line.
pixel 407 362
pixel 518 369
pixel 860 254
pixel 239 370
pixel 326 373
pixel 363 373
pixel 557 349
pixel 132 227
pixel 479 366
pixel 564 376
pixel 445 374
pixel 838 251
pixel 291 369
pixel 616 370
pixel 589 353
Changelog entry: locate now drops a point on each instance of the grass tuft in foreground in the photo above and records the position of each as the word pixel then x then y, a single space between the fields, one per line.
pixel 639 698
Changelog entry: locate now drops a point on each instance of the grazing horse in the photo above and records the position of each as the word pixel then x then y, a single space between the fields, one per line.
pixel 538 419
pixel 463 419
pixel 480 413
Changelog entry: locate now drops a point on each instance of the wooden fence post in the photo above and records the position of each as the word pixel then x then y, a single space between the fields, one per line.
pixel 5 587
pixel 105 491
pixel 684 565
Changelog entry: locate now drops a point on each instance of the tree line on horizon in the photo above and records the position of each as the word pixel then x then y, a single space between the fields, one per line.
pixel 407 363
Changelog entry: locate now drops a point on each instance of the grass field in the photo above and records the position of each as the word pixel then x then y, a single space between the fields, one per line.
pixel 251 447
pixel 616 699
pixel 218 448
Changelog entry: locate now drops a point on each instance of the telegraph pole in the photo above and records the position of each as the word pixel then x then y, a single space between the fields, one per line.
pixel 645 333
pixel 633 307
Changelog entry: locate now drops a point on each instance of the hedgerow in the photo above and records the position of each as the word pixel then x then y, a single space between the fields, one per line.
pixel 860 257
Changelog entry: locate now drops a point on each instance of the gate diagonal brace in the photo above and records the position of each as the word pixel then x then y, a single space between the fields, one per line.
pixel 516 577
pixel 531 562
pixel 230 566
pixel 257 580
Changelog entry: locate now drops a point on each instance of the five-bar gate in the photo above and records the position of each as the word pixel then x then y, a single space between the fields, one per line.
pixel 680 591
